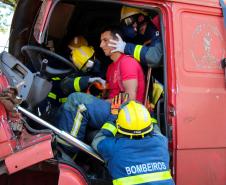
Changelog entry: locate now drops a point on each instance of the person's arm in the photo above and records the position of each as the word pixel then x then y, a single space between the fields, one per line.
pixel 74 84
pixel 103 142
pixel 149 52
pixel 129 75
pixel 78 84
pixel 130 87
pixel 147 55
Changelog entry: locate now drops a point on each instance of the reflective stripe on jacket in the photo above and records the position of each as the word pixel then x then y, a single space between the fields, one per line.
pixel 144 178
pixel 149 52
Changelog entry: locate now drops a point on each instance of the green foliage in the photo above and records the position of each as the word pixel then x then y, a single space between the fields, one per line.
pixel 6 13
pixel 10 2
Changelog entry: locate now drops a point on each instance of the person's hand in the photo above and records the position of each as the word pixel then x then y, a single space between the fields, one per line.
pixel 117 101
pixel 119 44
pixel 98 79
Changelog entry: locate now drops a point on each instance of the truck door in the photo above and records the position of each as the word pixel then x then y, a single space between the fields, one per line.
pixel 200 45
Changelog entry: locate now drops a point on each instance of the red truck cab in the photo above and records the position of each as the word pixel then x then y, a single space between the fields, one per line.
pixel 192 113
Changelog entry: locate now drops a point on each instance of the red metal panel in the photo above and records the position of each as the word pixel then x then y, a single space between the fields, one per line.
pixel 7 144
pixel 201 167
pixel 211 3
pixel 29 156
pixel 201 95
pixel 70 175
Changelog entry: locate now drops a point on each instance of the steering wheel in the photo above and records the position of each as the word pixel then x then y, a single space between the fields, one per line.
pixel 38 55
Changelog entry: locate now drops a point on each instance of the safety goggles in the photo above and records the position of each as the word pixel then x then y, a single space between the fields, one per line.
pixel 130 20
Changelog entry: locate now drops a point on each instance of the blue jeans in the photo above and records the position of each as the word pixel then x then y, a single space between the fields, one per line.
pixel 82 110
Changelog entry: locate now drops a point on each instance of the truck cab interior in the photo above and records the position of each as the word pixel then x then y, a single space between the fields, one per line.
pixel 46 32
pixel 53 28
pixel 193 37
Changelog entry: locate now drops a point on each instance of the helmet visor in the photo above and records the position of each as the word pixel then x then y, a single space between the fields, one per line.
pixel 128 21
pixel 88 66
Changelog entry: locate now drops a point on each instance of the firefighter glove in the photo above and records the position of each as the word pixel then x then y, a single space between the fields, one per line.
pixel 119 44
pixel 117 101
pixel 98 79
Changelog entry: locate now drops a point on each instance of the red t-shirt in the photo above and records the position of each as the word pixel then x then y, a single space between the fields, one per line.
pixel 125 68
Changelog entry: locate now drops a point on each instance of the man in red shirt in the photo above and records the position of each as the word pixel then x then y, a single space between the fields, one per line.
pixel 124 74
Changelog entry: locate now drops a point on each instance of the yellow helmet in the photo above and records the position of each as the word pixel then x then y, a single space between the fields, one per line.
pixel 129 11
pixel 81 55
pixel 134 120
pixel 77 41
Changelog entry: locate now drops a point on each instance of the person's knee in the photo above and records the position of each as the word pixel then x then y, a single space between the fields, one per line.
pixel 81 98
pixel 76 96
